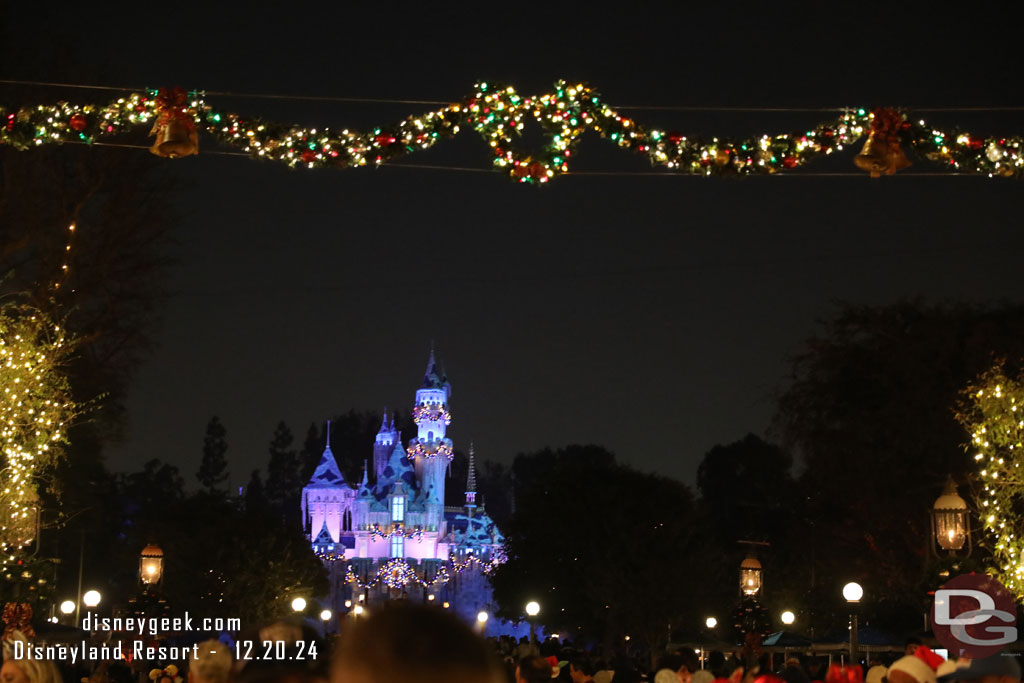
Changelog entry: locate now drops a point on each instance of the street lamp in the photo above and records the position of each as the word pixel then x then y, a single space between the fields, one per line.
pixel 357 610
pixel 67 607
pixel 787 617
pixel 750 576
pixel 711 622
pixel 91 598
pixel 299 604
pixel 853 593
pixel 151 565
pixel 950 521
pixel 326 615
pixel 532 610
pixel 481 618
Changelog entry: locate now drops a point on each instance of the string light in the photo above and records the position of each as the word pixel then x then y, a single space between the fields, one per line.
pixel 35 408
pixel 997 433
pixel 499 116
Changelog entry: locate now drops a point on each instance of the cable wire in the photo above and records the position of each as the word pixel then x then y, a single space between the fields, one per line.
pixel 623 107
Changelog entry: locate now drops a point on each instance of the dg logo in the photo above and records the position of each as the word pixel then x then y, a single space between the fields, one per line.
pixel 974 616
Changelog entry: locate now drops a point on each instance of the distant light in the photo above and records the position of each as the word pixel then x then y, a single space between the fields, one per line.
pixel 299 604
pixel 358 610
pixel 446 604
pixel 853 592
pixel 67 607
pixel 326 615
pixel 532 608
pixel 788 617
pixel 91 598
pixel 482 617
pixel 348 604
pixel 53 620
pixel 430 597
pixel 711 622
pixel 627 637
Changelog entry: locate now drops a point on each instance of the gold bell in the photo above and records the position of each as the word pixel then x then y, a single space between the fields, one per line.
pixel 176 139
pixel 880 157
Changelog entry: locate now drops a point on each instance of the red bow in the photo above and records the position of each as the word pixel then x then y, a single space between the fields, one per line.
pixel 844 674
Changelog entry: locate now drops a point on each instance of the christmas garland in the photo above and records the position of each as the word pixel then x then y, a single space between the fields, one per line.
pixel 499 115
pixel 431 411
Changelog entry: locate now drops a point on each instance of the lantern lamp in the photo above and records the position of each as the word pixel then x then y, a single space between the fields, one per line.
pixel 750 576
pixel 151 565
pixel 950 522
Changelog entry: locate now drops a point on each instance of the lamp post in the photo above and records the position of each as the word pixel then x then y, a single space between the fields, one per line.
pixel 151 565
pixel 950 522
pixel 853 593
pixel 325 617
pixel 481 620
pixel 532 610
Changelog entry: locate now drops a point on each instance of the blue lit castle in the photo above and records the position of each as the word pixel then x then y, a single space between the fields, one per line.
pixel 392 537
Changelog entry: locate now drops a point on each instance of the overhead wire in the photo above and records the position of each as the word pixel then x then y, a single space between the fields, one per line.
pixel 384 100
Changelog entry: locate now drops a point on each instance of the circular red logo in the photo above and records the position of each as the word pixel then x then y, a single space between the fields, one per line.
pixel 974 616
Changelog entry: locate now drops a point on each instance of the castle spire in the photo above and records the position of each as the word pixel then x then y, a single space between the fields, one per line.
pixel 471 483
pixel 384 422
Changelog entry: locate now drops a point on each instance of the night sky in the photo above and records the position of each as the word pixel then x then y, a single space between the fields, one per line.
pixel 653 315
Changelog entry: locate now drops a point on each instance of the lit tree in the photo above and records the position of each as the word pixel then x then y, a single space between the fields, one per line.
pixel 35 409
pixel 993 412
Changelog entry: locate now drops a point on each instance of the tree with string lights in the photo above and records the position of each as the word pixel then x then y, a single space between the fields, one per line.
pixel 992 410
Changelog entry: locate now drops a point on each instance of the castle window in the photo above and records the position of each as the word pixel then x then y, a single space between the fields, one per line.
pixel 346 521
pixel 397 546
pixel 398 509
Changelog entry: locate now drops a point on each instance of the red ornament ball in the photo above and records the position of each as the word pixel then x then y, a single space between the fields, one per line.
pixel 308 156
pixel 78 122
pixel 789 162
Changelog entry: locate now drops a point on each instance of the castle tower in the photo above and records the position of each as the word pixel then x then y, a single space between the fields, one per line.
pixel 327 498
pixel 383 445
pixel 431 451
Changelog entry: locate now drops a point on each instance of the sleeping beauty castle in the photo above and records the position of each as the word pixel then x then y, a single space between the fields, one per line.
pixel 390 536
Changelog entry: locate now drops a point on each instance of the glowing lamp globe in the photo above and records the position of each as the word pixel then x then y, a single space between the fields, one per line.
pixel 711 622
pixel 482 617
pixel 532 608
pixel 788 617
pixel 950 519
pixel 151 564
pixel 326 615
pixel 299 604
pixel 358 610
pixel 67 607
pixel 91 598
pixel 853 592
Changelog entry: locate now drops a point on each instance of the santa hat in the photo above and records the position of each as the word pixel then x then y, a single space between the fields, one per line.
pixel 556 666
pixel 915 668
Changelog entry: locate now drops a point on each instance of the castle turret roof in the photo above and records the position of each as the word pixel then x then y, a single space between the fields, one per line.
pixel 327 472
